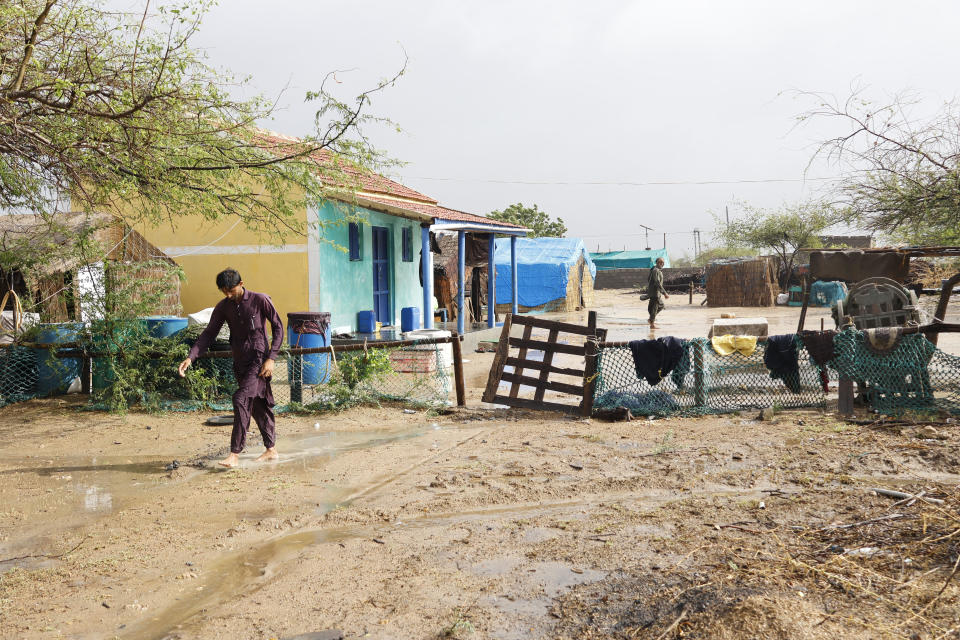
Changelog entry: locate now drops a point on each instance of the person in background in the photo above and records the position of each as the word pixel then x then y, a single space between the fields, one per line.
pixel 247 314
pixel 657 294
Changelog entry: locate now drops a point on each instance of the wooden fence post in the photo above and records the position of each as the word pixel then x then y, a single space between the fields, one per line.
pixel 699 386
pixel 296 378
pixel 458 371
pixel 499 360
pixel 589 376
pixel 86 375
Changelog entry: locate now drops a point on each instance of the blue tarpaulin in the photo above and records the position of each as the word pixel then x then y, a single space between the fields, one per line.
pixel 629 259
pixel 826 294
pixel 543 268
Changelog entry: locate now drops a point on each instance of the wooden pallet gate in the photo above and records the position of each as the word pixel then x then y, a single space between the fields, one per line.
pixel 542 382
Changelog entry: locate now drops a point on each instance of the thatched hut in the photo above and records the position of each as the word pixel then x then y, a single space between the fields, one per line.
pixel 750 282
pixel 50 262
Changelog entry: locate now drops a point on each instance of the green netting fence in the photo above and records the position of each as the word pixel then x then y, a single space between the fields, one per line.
pixel 912 375
pixel 414 373
pixel 704 382
pixel 18 374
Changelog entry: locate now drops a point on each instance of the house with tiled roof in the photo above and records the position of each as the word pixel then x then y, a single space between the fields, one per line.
pixel 367 249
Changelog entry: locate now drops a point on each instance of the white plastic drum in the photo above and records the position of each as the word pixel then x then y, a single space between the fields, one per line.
pixel 446 350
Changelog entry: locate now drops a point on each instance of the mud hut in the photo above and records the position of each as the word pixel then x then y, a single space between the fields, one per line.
pixel 553 274
pixel 750 282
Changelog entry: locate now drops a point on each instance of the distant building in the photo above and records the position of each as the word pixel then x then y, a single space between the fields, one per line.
pixel 853 242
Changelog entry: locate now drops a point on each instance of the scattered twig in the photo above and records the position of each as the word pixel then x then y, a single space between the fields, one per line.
pixel 683 614
pixel 903 495
pixel 45 555
pixel 918 614
pixel 733 526
pixel 892 516
pixel 601 537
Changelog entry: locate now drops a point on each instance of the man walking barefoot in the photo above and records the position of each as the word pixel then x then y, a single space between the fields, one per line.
pixel 247 314
pixel 656 292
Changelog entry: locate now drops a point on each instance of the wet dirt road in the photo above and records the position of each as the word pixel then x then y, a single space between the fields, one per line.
pixel 386 524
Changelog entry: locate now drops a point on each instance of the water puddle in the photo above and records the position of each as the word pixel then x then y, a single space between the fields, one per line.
pixel 97 499
pixel 247 570
pixel 550 578
pixel 83 489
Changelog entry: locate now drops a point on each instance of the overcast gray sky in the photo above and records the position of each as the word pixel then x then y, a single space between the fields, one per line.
pixel 498 94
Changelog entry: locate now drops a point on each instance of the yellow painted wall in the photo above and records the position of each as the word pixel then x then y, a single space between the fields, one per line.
pixel 282 276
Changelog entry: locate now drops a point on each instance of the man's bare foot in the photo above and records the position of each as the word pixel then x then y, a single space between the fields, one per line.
pixel 269 454
pixel 230 461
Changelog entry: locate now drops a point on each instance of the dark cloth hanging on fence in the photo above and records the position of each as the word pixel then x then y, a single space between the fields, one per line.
pixel 819 344
pixel 683 366
pixel 654 359
pixel 780 357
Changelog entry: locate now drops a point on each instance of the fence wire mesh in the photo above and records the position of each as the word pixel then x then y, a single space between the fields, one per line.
pixel 18 374
pixel 911 375
pixel 417 374
pixel 705 382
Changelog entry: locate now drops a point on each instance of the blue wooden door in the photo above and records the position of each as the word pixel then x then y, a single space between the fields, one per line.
pixel 381 275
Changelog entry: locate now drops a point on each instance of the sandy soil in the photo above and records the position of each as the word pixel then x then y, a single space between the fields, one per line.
pixel 476 524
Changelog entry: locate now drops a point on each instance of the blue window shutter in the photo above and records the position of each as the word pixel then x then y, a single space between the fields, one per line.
pixel 407 244
pixel 355 242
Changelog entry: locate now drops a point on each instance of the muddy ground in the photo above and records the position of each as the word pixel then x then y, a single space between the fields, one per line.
pixel 477 523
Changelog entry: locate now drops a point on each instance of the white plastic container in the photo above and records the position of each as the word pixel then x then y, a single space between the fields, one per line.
pixel 446 350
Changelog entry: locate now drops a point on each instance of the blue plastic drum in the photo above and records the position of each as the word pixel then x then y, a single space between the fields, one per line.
pixel 310 330
pixel 163 326
pixel 55 374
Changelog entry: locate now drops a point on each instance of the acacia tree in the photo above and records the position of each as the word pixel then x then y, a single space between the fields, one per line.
pixel 539 222
pixel 117 111
pixel 903 168
pixel 780 231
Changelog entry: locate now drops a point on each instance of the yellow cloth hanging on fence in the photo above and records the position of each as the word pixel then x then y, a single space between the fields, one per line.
pixel 725 345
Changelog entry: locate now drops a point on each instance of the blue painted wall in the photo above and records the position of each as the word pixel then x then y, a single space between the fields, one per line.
pixel 343 287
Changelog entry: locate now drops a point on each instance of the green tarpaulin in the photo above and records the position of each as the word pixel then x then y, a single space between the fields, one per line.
pixel 629 259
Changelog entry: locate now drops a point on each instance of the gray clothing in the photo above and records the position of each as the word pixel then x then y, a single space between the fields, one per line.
pixel 656 293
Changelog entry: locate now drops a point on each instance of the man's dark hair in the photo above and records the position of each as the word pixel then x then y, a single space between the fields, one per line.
pixel 228 279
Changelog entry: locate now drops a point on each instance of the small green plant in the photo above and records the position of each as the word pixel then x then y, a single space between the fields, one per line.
pixel 460 626
pixel 354 368
pixel 663 445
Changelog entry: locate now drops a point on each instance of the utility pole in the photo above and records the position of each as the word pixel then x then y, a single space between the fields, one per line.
pixel 646 232
pixel 728 216
pixel 664 239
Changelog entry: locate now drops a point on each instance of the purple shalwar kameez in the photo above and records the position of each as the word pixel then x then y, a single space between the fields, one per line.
pixel 247 320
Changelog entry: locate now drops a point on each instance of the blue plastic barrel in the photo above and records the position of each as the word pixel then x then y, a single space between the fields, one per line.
pixel 310 330
pixel 409 319
pixel 54 374
pixel 163 326
pixel 366 322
